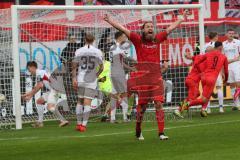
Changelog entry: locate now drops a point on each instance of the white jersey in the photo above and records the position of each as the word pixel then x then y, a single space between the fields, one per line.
pixel 43 76
pixel 209 44
pixel 231 51
pixel 117 56
pixel 89 59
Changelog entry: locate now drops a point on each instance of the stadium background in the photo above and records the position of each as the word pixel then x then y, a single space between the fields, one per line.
pixel 215 20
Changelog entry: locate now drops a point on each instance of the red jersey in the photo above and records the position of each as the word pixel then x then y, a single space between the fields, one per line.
pixel 214 62
pixel 148 51
pixel 197 69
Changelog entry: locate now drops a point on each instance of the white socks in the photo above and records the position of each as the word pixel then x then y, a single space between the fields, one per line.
pixel 79 113
pixel 40 111
pixel 86 113
pixel 220 97
pixel 113 109
pixel 124 105
pixel 59 115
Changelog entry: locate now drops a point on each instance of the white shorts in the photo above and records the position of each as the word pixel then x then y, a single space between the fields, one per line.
pixel 92 85
pixel 219 81
pixel 50 97
pixel 87 90
pixel 234 75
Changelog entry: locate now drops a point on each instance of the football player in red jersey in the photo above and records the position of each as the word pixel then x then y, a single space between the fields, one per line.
pixel 193 79
pixel 149 83
pixel 214 62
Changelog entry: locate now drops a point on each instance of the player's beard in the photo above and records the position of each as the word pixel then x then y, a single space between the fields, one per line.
pixel 148 37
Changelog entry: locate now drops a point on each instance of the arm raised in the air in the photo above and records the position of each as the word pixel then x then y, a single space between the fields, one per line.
pixel 117 25
pixel 177 23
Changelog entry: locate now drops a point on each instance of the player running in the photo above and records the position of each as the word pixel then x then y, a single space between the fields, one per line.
pixel 214 62
pixel 147 48
pixel 213 37
pixel 231 48
pixel 89 64
pixel 49 97
pixel 193 79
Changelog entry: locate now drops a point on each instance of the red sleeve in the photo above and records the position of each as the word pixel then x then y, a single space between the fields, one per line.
pixel 193 58
pixel 199 59
pixel 162 36
pixel 226 69
pixel 135 38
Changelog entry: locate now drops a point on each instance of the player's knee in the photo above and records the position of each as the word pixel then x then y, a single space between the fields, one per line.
pixel 40 101
pixel 158 105
pixel 51 107
pixel 218 87
pixel 204 99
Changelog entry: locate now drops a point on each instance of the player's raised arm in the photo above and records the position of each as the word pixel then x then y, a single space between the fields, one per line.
pixel 177 23
pixel 117 25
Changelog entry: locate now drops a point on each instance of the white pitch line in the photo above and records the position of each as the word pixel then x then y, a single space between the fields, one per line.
pixel 116 133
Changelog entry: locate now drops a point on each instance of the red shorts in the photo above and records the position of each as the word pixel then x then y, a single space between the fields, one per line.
pixel 208 84
pixel 193 88
pixel 148 87
pixel 147 82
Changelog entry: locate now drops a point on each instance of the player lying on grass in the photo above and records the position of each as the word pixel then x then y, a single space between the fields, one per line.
pixel 147 47
pixel 49 97
pixel 89 64
pixel 214 62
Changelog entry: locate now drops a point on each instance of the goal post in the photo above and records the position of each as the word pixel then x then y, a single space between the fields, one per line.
pixel 16 64
pixel 52 29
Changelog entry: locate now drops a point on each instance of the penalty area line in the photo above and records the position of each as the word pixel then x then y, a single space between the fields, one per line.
pixel 116 133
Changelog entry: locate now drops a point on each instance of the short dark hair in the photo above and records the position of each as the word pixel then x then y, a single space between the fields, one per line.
pixel 89 38
pixel 212 35
pixel 217 44
pixel 118 34
pixel 230 29
pixel 32 64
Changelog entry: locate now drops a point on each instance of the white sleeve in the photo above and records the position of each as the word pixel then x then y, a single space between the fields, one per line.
pixel 238 44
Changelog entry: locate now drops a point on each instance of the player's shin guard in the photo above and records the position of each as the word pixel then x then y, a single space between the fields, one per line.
pixel 86 114
pixel 40 111
pixel 79 113
pixel 160 121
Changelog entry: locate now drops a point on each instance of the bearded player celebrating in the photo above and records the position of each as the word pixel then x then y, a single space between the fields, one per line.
pixel 147 48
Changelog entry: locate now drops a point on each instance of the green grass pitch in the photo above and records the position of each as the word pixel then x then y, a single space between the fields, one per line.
pixel 216 137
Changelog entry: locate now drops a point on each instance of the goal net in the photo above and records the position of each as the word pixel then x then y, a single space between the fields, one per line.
pixel 51 35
